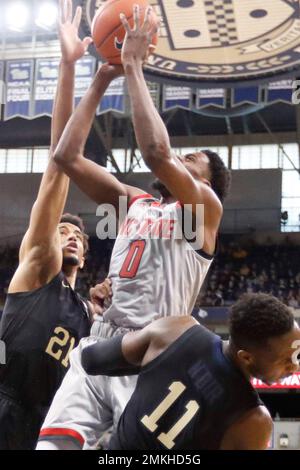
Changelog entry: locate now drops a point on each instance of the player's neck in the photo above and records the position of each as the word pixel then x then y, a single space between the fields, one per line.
pixel 71 274
pixel 167 200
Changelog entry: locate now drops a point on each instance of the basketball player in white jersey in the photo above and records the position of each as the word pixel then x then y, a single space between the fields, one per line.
pixel 155 273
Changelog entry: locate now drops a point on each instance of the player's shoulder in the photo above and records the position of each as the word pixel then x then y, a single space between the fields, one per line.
pixel 257 425
pixel 252 431
pixel 167 330
pixel 259 416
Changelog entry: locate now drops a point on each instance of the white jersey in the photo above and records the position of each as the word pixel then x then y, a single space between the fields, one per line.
pixel 154 274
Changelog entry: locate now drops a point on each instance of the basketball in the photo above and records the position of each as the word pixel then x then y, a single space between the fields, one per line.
pixel 107 30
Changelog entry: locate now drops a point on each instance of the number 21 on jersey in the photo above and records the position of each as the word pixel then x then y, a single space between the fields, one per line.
pixel 62 338
pixel 150 422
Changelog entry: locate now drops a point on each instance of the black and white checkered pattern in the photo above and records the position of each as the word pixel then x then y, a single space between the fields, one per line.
pixel 221 22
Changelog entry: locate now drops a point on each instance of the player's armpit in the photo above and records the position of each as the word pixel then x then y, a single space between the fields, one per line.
pixel 252 432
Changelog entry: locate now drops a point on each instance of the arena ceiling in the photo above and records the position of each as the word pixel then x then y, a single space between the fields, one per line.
pixel 245 54
pixel 219 41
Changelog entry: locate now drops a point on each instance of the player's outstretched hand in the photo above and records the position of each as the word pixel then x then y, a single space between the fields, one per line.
pixel 100 296
pixel 137 43
pixel 72 47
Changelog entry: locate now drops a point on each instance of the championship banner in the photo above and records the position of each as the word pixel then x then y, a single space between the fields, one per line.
pixel 280 91
pixel 19 78
pixel 293 381
pixel 211 97
pixel 246 95
pixel 176 97
pixel 84 72
pixel 154 89
pixel 114 98
pixel 46 76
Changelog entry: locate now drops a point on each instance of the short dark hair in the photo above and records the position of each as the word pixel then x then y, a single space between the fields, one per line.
pixel 76 220
pixel 220 175
pixel 255 318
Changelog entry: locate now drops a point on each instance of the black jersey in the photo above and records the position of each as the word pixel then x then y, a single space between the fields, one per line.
pixel 40 328
pixel 186 398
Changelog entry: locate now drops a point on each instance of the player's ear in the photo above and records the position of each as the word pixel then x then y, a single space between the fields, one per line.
pixel 206 181
pixel 245 357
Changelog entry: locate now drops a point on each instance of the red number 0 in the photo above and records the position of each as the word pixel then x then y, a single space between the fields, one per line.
pixel 133 259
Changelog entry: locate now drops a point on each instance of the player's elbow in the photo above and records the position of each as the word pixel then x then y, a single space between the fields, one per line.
pixel 64 159
pixel 59 157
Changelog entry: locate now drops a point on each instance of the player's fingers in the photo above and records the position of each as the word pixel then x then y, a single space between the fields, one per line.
pixel 153 31
pixel 102 290
pixel 96 298
pixel 62 11
pixel 86 42
pixel 77 17
pixel 151 49
pixel 107 283
pixel 146 22
pixel 136 17
pixel 125 23
pixel 69 11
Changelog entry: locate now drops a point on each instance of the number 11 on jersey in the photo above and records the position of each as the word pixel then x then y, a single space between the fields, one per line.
pixel 150 422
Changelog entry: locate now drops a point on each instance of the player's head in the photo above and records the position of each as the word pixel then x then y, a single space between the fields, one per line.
pixel 264 336
pixel 73 240
pixel 205 166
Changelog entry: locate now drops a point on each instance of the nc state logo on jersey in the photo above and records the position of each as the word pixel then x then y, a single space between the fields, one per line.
pixel 224 41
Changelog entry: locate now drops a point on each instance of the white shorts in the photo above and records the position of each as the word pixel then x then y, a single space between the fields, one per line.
pixel 85 406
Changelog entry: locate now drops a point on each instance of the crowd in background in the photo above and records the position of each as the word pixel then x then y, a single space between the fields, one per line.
pixel 269 268
pixel 236 269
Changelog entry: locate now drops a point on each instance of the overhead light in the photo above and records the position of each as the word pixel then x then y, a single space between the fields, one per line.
pixel 47 15
pixel 17 15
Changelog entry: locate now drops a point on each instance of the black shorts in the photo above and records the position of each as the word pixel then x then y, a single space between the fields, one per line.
pixel 19 427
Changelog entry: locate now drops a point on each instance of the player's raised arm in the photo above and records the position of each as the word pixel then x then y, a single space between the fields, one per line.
pixel 91 178
pixel 121 355
pixel 40 253
pixel 125 355
pixel 151 133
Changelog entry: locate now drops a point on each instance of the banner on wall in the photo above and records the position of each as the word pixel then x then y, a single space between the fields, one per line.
pixel 245 95
pixel 19 78
pixel 154 89
pixel 293 381
pixel 46 76
pixel 114 98
pixel 176 97
pixel 280 91
pixel 208 97
pixel 84 73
